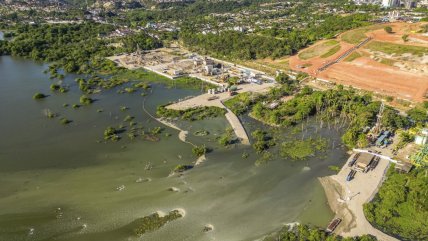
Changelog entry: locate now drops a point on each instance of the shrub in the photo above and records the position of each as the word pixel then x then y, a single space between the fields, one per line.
pixel 64 121
pixel 85 100
pixel 388 29
pixel 199 150
pixel 38 96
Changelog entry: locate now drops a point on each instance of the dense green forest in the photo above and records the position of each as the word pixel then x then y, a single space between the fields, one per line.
pixel 269 43
pixel 73 47
pixel 401 205
pixel 190 10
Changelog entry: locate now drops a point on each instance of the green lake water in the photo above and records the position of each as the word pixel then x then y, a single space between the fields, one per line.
pixel 58 183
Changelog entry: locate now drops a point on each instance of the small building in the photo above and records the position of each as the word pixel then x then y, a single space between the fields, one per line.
pixel 208 61
pixel 177 72
pixel 208 69
pixel 422 137
pixel 403 167
pixel 363 162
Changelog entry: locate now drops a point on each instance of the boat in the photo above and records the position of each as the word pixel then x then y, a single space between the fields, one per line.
pixel 333 225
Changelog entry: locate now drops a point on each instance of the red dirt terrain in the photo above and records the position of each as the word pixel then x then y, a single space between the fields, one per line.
pixel 298 64
pixel 368 74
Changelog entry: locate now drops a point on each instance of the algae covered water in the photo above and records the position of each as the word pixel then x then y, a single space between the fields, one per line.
pixel 62 182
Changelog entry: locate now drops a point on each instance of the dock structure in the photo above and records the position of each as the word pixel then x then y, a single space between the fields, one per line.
pixel 376 154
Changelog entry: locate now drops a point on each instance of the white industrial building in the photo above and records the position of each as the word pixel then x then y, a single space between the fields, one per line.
pixel 390 3
pixel 422 137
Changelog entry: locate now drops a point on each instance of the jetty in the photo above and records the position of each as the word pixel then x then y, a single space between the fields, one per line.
pixel 237 126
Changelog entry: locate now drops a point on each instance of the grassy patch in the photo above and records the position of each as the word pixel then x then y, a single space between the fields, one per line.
pixel 354 36
pixel 389 62
pixel 331 51
pixel 154 222
pixel 300 150
pixel 398 49
pixel 358 35
pixel 241 103
pixel 267 65
pixel 353 56
pixel 318 50
pixel 192 114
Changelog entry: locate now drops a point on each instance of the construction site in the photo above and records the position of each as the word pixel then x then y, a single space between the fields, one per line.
pixel 174 62
pixel 370 58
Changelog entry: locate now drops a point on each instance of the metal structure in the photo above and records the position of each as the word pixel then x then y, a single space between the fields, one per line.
pixel 378 124
pixel 376 154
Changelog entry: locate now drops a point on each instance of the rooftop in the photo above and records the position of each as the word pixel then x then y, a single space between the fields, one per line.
pixel 364 160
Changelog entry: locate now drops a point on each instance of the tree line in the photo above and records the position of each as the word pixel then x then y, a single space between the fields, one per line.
pixel 73 47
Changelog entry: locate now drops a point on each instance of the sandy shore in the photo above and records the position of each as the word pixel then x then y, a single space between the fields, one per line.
pixel 200 160
pixel 182 133
pixel 334 192
pixel 346 199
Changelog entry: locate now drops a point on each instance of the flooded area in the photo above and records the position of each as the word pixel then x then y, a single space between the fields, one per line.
pixel 62 182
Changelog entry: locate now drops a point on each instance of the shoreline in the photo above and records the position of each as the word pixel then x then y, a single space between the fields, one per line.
pixel 182 135
pixel 334 192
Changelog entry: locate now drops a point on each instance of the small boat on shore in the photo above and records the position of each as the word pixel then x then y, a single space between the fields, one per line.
pixel 333 225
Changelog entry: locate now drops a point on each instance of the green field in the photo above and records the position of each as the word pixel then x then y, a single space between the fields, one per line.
pixel 329 47
pixel 331 51
pixel 389 62
pixel 358 35
pixel 398 49
pixel 355 36
pixel 353 56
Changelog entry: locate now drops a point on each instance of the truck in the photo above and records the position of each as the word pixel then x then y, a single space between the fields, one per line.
pixel 351 175
pixel 354 159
